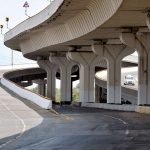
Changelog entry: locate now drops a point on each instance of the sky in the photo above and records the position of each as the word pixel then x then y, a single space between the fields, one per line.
pixel 16 12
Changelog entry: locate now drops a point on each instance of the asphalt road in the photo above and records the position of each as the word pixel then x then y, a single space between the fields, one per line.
pixel 25 126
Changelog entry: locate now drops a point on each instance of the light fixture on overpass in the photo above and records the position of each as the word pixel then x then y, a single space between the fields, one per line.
pixel 1 26
pixel 7 20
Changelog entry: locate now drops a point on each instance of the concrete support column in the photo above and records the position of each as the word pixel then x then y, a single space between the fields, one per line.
pixel 65 75
pixel 41 86
pixel 87 61
pixel 98 93
pixel 41 89
pixel 51 70
pixel 140 42
pixel 114 55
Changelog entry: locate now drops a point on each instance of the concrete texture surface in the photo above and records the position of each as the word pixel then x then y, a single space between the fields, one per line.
pixel 25 126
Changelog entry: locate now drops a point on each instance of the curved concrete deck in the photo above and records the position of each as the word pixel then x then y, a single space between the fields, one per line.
pixel 61 22
pixel 67 23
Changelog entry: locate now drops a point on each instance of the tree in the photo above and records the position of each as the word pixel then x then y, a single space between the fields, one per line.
pixel 75 94
pixel 57 95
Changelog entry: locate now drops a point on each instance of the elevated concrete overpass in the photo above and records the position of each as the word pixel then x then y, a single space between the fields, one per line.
pixel 71 32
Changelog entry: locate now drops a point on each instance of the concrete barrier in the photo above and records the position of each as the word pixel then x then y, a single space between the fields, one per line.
pixel 143 109
pixel 124 107
pixel 29 95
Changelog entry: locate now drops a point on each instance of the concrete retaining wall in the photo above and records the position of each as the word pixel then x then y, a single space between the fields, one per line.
pixel 143 109
pixel 110 106
pixel 37 99
pixel 125 107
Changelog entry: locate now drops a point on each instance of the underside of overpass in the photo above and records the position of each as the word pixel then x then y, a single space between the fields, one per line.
pixel 71 37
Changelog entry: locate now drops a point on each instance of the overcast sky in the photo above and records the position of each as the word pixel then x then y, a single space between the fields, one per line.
pixel 15 11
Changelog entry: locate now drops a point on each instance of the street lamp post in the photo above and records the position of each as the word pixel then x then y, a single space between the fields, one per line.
pixel 7 20
pixel 7 25
pixel 1 26
pixel 12 54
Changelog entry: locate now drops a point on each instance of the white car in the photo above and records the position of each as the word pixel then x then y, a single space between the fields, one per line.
pixel 129 80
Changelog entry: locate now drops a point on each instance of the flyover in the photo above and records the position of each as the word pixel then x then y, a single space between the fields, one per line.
pixel 71 32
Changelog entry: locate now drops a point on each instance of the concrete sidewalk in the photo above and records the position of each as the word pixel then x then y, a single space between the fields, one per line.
pixel 16 117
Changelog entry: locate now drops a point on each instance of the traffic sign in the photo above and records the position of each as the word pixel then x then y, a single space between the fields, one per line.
pixel 26 4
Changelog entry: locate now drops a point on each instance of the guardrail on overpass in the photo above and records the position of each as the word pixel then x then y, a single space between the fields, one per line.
pixel 24 93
